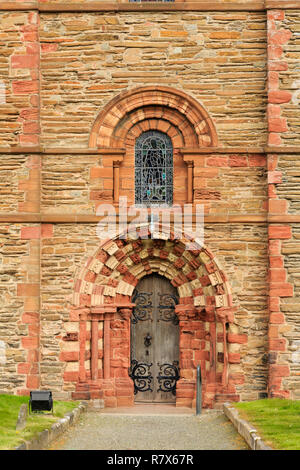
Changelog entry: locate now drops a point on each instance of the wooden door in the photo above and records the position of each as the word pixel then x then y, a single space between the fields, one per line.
pixel 154 341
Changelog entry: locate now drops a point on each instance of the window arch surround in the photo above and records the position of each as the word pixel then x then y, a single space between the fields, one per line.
pixel 164 105
pixel 152 108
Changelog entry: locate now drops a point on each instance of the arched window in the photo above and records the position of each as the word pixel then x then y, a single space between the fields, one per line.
pixel 153 169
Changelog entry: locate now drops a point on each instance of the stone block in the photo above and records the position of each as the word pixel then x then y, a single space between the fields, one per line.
pixel 278 206
pixel 22 417
pixel 281 290
pixel 24 87
pixel 237 338
pixel 277 124
pixel 279 96
pixel 281 232
pixel 277 275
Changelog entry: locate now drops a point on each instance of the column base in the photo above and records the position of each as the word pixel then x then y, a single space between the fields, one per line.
pixel 114 392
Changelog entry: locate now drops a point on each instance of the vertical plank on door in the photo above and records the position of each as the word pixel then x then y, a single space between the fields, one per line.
pixel 164 348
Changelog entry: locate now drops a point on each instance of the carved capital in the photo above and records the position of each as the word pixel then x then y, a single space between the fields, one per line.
pixel 125 313
pixel 104 309
pixel 206 314
pixel 225 314
pixel 189 161
pixel 83 313
pixel 185 312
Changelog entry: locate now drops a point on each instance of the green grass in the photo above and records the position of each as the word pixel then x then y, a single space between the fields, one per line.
pixel 277 421
pixel 9 410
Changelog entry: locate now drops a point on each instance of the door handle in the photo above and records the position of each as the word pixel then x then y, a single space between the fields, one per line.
pixel 147 340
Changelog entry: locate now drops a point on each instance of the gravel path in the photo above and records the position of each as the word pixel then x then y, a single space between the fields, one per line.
pixel 110 431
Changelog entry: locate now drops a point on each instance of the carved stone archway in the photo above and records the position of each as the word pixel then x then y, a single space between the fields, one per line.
pixel 163 105
pixel 156 108
pixel 102 303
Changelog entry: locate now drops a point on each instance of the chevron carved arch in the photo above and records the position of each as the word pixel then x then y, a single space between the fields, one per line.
pixel 112 273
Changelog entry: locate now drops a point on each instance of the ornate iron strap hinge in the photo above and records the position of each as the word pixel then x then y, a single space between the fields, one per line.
pixel 143 306
pixel 167 377
pixel 166 308
pixel 141 376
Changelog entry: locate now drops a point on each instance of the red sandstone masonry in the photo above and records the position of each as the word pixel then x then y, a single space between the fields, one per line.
pixel 192 349
pixel 28 61
pixel 31 186
pixel 46 230
pixel 280 232
pixel 30 292
pixel 276 39
pixel 278 287
pixel 30 232
pixel 126 103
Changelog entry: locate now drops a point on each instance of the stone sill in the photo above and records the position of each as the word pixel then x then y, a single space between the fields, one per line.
pixel 108 151
pixel 94 219
pixel 177 5
pixel 40 218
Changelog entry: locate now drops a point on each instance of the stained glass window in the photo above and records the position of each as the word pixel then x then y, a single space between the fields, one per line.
pixel 153 169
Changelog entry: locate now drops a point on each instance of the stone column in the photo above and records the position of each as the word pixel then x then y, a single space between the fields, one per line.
pixel 82 343
pixel 225 316
pixel 94 348
pixel 111 161
pixel 106 347
pixel 116 192
pixel 185 388
pixel 126 313
pixel 194 159
pixel 124 384
pixel 190 189
pixel 206 353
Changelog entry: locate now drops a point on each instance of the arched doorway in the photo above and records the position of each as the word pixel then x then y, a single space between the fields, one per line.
pixel 155 341
pixel 104 301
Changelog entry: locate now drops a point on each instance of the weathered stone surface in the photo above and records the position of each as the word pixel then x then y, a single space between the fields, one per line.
pixel 57 73
pixel 289 79
pixel 86 66
pixel 22 417
pixel 19 78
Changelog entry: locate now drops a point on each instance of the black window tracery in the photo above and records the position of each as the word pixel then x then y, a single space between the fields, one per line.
pixel 153 169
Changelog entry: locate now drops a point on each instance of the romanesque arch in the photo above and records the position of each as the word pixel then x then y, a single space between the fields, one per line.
pixel 164 106
pixel 112 273
pixel 102 301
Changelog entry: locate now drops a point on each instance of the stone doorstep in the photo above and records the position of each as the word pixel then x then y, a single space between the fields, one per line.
pixel 245 429
pixel 48 436
pixel 149 409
